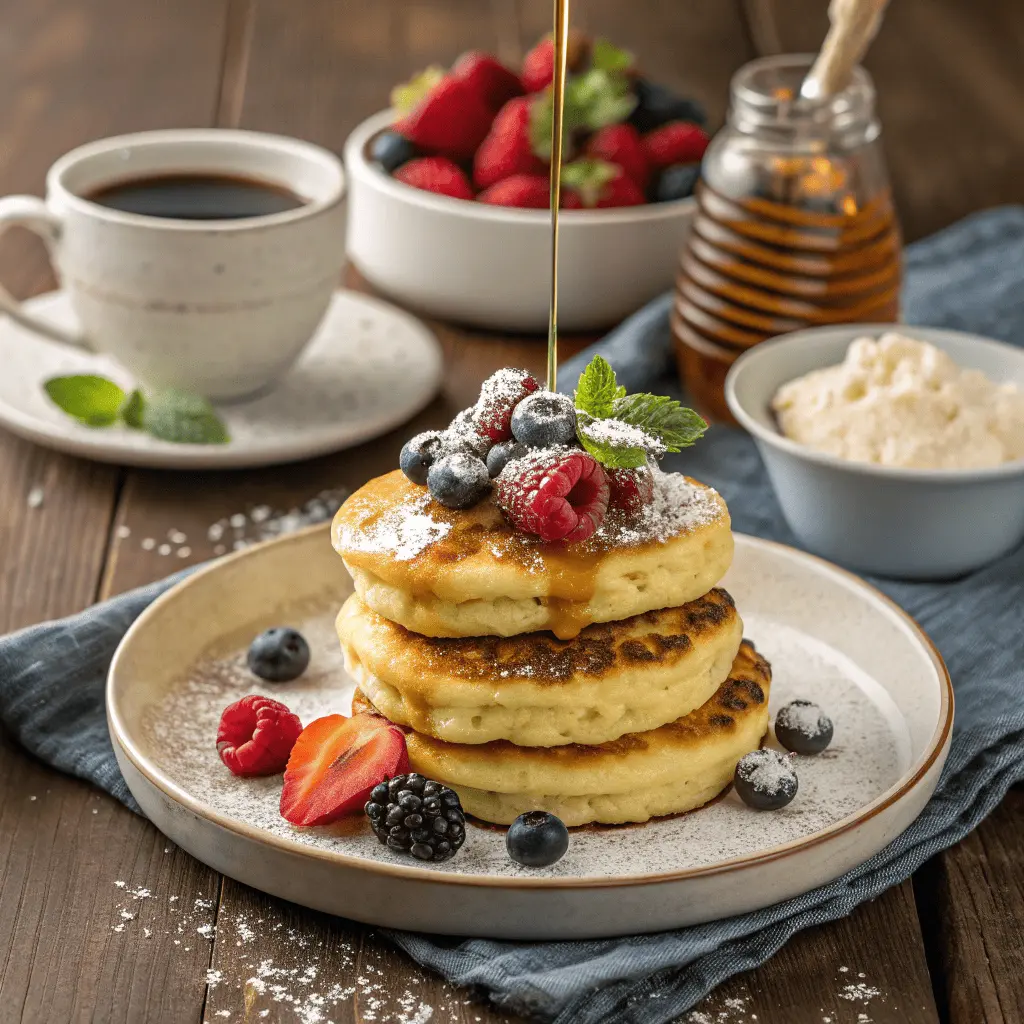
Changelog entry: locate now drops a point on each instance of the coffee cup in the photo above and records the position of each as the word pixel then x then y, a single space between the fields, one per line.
pixel 199 259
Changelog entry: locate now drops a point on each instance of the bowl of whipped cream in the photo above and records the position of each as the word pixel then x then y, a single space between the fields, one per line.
pixel 894 450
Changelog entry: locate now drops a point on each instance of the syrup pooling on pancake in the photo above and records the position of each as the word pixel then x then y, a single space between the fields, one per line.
pixel 536 690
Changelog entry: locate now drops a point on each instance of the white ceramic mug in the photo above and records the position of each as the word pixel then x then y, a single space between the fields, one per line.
pixel 220 308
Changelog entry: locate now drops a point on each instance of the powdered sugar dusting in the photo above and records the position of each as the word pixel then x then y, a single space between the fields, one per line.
pixel 619 434
pixel 402 531
pixel 808 719
pixel 767 770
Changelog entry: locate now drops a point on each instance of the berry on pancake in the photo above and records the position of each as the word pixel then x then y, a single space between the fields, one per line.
pixel 499 396
pixel 556 493
pixel 630 489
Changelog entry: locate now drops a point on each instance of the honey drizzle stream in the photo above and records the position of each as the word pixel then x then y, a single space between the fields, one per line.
pixel 558 103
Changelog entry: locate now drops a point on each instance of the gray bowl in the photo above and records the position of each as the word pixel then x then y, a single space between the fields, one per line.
pixel 904 523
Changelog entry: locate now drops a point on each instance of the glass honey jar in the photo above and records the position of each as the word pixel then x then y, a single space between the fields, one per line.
pixel 794 227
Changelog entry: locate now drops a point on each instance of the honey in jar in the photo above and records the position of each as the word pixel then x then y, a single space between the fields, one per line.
pixel 794 226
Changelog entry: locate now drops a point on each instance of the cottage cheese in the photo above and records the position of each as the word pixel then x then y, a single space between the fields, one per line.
pixel 895 401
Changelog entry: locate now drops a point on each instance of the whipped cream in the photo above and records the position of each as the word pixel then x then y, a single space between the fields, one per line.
pixel 895 401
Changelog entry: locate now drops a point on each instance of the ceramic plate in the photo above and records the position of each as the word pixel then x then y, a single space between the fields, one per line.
pixel 829 637
pixel 369 368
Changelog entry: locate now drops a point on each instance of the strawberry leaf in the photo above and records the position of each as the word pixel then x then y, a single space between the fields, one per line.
pixel 605 56
pixel 604 97
pixel 588 178
pixel 665 419
pixel 407 96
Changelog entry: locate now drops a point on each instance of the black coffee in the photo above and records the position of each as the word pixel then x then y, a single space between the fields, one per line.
pixel 196 197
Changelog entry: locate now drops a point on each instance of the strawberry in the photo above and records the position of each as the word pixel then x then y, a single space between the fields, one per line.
pixel 336 762
pixel 256 735
pixel 601 184
pixel 555 493
pixel 538 68
pixel 621 144
pixel 507 148
pixel 631 489
pixel 678 142
pixel 569 200
pixel 530 191
pixel 487 77
pixel 441 114
pixel 436 174
pixel 499 396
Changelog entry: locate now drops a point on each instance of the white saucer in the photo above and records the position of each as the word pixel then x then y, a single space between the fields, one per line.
pixel 369 368
pixel 829 636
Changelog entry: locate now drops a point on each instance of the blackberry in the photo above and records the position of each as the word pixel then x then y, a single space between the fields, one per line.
pixel 411 814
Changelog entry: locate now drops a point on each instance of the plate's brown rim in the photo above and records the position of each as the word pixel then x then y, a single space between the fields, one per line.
pixel 937 745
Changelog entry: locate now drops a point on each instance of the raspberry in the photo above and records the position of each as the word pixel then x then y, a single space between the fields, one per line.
pixel 499 396
pixel 631 489
pixel 555 493
pixel 256 735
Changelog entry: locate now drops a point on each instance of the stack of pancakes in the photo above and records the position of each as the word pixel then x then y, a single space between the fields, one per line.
pixel 604 682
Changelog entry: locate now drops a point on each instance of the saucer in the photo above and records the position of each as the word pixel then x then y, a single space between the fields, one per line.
pixel 369 368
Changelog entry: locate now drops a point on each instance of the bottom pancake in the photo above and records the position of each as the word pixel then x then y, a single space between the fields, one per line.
pixel 675 768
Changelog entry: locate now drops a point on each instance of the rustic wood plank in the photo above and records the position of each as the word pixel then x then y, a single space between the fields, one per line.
pixel 953 135
pixel 833 974
pixel 68 73
pixel 972 900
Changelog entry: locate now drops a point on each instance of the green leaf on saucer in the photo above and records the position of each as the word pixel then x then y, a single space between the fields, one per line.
pixel 182 418
pixel 132 410
pixel 94 401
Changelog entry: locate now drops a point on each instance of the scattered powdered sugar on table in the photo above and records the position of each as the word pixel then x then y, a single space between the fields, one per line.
pixel 403 531
pixel 862 762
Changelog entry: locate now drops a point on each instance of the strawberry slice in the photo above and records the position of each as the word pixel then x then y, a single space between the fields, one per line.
pixel 335 763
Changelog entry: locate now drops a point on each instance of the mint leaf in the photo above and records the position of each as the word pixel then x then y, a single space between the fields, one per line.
pixel 610 451
pixel 132 409
pixel 606 56
pixel 597 389
pixel 665 419
pixel 182 418
pixel 94 401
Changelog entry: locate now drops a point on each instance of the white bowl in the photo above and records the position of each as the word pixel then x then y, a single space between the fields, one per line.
pixel 904 523
pixel 490 265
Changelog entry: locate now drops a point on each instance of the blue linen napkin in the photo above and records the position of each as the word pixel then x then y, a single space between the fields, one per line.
pixel 968 276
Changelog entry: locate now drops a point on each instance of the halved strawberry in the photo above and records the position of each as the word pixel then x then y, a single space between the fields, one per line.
pixel 336 762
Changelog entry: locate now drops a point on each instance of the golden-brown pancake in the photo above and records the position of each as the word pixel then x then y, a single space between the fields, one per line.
pixel 675 768
pixel 536 690
pixel 441 573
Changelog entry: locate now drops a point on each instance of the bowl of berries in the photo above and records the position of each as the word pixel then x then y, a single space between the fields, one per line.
pixel 450 210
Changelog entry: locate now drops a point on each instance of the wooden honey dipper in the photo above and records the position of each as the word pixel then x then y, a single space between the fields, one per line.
pixel 854 23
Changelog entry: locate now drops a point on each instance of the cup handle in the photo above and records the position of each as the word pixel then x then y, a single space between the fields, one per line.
pixel 32 213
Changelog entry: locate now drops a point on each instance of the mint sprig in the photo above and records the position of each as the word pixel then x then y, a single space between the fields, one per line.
pixel 168 414
pixel 597 389
pixel 665 419
pixel 621 431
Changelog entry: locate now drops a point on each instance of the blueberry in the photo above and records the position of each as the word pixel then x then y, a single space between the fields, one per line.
pixel 803 727
pixel 545 419
pixel 391 150
pixel 419 453
pixel 536 839
pixel 278 655
pixel 458 480
pixel 502 454
pixel 676 182
pixel 765 780
pixel 657 105
pixel 463 436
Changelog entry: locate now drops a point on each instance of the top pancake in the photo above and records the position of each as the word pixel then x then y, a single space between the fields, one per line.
pixel 447 573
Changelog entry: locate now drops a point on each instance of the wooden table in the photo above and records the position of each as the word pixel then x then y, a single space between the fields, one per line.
pixel 944 947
